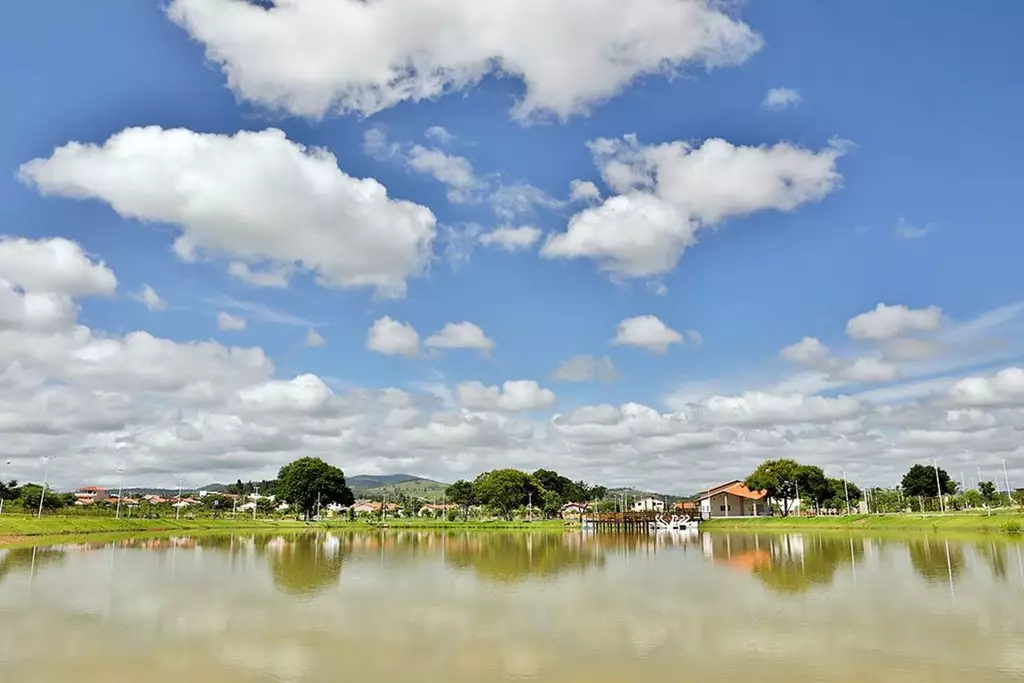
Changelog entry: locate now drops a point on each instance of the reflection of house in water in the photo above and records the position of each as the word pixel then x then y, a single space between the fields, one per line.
pixel 786 563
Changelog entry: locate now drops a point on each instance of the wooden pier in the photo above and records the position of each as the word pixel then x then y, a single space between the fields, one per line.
pixel 623 522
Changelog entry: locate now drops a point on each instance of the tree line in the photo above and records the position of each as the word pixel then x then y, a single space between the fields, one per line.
pixel 785 481
pixel 508 490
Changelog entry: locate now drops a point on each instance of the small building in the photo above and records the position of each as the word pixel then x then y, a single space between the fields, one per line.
pixel 87 495
pixel 434 510
pixel 648 504
pixel 572 510
pixel 732 499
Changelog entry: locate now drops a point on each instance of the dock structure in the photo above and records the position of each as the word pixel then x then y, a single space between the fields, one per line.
pixel 622 522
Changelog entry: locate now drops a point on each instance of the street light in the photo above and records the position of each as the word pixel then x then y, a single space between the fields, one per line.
pixel 938 486
pixel 46 476
pixel 120 490
pixel 846 487
pixel 7 478
pixel 177 507
pixel 1006 478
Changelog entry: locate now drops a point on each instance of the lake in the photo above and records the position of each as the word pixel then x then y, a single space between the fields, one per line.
pixel 493 606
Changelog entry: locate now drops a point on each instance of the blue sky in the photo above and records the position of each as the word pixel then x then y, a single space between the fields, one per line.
pixel 902 123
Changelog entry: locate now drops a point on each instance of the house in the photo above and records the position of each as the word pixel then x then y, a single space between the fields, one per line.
pixel 372 507
pixel 87 495
pixel 572 510
pixel 153 499
pixel 648 504
pixel 433 510
pixel 687 507
pixel 732 499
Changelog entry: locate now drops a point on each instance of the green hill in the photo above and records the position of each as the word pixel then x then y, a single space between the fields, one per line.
pixel 394 485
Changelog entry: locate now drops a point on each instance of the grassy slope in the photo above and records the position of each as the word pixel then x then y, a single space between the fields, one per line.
pixel 420 488
pixel 998 521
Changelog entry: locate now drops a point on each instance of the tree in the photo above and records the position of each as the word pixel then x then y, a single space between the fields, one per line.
pixel 973 498
pixel 30 498
pixel 920 481
pixel 303 481
pixel 461 493
pixel 10 490
pixel 506 490
pixel 778 479
pixel 987 490
pixel 813 484
pixel 837 498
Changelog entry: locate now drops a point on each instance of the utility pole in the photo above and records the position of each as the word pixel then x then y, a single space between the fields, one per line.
pixel 846 487
pixel 530 505
pixel 120 491
pixel 1009 494
pixel 46 476
pixel 255 501
pixel 798 506
pixel 177 507
pixel 938 486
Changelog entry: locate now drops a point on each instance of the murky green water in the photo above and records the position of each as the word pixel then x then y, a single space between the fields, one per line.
pixel 412 606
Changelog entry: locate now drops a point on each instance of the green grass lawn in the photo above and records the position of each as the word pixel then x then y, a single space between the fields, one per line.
pixel 1000 521
pixel 18 528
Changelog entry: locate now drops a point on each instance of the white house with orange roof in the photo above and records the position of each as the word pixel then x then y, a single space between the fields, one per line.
pixel 732 499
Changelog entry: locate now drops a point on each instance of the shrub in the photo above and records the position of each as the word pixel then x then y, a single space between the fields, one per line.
pixel 1013 528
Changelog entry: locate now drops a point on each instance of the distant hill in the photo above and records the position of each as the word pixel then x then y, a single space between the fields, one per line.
pixel 369 481
pixel 636 493
pixel 377 485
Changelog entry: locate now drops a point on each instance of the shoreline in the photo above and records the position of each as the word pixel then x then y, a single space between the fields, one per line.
pixel 1003 522
pixel 23 529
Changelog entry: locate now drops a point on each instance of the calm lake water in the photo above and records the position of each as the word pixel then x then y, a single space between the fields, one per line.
pixel 420 606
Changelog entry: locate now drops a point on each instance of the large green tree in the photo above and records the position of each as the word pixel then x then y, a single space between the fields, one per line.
pixel 302 481
pixel 920 481
pixel 506 490
pixel 813 484
pixel 987 489
pixel 461 493
pixel 778 479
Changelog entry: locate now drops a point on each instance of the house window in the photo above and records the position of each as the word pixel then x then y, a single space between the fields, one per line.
pixel 722 508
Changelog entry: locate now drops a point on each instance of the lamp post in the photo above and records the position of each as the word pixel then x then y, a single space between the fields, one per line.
pixel 1009 494
pixel 255 501
pixel 938 486
pixel 177 506
pixel 120 490
pixel 46 476
pixel 846 487
pixel 7 478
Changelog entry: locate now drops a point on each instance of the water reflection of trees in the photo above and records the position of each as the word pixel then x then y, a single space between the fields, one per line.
pixel 787 563
pixel 512 557
pixel 994 555
pixel 303 564
pixel 936 560
pixel 29 559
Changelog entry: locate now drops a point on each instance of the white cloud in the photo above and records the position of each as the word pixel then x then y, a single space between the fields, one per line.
pixel 148 297
pixel 275 275
pixel 890 322
pixel 463 335
pixel 439 135
pixel 583 191
pixel 254 196
pixel 305 393
pixel 514 397
pixel 454 171
pixel 647 332
pixel 511 239
pixel 317 57
pixel 808 351
pixel 32 311
pixel 314 339
pixel 1005 388
pixel 758 408
pixel 392 338
pixel 781 98
pixel 668 192
pixel 230 323
pixel 585 368
pixel 54 266
pixel 906 231
pixel 868 369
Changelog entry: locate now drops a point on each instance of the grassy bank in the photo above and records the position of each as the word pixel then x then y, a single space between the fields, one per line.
pixel 999 521
pixel 15 528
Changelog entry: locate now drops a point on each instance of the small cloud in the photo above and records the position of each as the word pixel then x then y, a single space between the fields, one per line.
pixel 778 99
pixel 230 323
pixel 695 337
pixel 862 230
pixel 148 297
pixel 583 191
pixel 511 239
pixel 585 369
pixel 271 276
pixel 906 231
pixel 440 135
pixel 314 339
